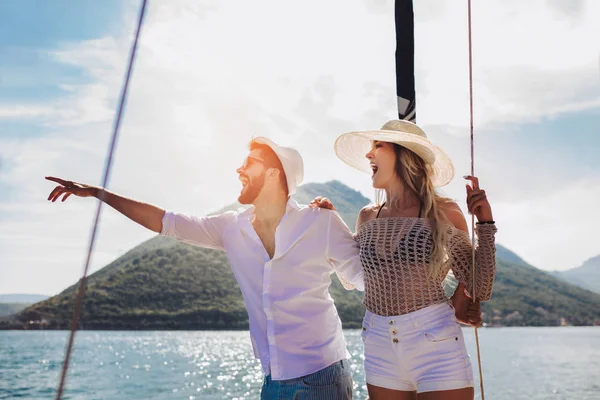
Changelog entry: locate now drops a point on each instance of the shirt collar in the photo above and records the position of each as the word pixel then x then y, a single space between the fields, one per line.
pixel 291 205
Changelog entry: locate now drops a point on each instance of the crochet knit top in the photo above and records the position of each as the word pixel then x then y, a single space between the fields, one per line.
pixel 395 255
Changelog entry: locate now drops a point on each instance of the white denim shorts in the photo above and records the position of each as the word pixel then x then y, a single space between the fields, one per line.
pixel 421 351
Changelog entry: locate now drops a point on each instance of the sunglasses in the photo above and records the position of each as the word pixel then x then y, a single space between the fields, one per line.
pixel 249 160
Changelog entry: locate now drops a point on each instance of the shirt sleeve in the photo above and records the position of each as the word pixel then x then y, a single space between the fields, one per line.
pixel 343 253
pixel 461 260
pixel 200 231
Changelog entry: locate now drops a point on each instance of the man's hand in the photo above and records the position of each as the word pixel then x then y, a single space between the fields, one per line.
pixel 147 215
pixel 322 202
pixel 467 313
pixel 68 188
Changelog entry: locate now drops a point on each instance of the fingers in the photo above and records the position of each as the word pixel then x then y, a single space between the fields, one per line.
pixel 316 202
pixel 66 189
pixel 474 314
pixel 475 197
pixel 57 180
pixel 57 192
pixel 474 310
pixel 476 205
pixel 321 202
pixel 54 192
pixel 326 203
pixel 474 181
pixel 475 319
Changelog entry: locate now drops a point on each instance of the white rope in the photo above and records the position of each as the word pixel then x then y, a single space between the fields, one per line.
pixel 473 287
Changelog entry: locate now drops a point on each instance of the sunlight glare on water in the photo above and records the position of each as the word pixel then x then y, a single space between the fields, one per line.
pixel 518 363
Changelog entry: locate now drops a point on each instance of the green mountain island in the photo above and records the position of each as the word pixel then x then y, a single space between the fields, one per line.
pixel 586 276
pixel 164 284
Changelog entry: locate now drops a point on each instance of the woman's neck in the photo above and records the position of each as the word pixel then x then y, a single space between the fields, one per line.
pixel 399 197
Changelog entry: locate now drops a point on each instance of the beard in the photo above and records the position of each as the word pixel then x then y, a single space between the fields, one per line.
pixel 251 191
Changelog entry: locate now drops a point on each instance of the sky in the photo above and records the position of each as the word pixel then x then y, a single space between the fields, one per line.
pixel 210 75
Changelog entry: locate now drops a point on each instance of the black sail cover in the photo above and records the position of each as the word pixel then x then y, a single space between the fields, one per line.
pixel 405 60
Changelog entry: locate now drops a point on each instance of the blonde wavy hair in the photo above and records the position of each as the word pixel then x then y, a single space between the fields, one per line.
pixel 416 175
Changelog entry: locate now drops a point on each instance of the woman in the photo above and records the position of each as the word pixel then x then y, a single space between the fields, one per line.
pixel 414 348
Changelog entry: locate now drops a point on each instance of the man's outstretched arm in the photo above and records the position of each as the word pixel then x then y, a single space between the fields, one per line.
pixel 147 215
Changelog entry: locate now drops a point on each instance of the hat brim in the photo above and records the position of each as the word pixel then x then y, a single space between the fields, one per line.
pixel 352 148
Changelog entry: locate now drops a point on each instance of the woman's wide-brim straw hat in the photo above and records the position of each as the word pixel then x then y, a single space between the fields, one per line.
pixel 352 148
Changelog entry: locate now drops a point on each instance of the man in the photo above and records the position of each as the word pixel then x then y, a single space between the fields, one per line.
pixel 282 256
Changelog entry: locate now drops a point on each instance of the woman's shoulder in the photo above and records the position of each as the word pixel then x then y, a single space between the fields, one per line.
pixel 367 213
pixel 453 214
pixel 369 209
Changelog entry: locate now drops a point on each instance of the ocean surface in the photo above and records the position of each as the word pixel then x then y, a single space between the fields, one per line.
pixel 518 363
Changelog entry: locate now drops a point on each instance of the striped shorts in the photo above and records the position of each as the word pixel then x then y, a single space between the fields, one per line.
pixel 330 383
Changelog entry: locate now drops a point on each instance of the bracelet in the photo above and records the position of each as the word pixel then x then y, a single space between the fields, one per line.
pixel 486 222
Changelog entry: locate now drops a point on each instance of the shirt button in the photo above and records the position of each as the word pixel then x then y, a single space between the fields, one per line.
pixel 395 340
pixel 391 322
pixel 393 332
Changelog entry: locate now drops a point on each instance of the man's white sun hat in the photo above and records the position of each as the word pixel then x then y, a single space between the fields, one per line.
pixel 291 160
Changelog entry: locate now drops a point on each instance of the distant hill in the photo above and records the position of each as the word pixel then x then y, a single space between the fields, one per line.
pixel 524 295
pixel 13 303
pixel 164 284
pixel 507 255
pixel 22 298
pixel 586 276
pixel 8 309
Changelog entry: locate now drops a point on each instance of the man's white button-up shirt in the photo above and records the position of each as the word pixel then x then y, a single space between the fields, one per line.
pixel 294 325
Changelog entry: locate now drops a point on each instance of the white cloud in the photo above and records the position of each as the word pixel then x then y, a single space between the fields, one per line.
pixel 530 60
pixel 22 111
pixel 556 231
pixel 210 75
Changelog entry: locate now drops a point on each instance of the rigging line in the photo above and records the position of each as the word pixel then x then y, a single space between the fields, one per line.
pixel 107 167
pixel 474 298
